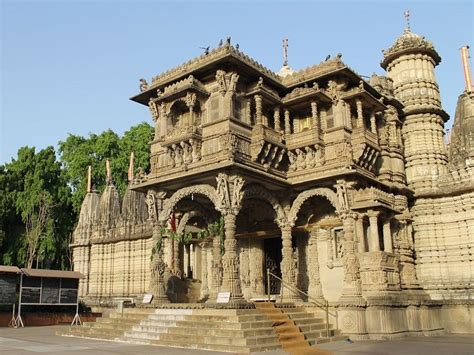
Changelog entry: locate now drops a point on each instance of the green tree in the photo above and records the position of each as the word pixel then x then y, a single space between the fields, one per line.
pixel 77 153
pixel 35 210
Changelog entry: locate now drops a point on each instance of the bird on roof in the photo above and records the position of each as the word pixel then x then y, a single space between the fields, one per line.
pixel 237 46
pixel 220 43
pixel 328 57
pixel 206 49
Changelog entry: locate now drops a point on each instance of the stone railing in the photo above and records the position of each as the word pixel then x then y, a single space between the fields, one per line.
pixel 374 196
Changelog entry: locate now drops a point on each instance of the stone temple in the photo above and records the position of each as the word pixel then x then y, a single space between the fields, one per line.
pixel 345 188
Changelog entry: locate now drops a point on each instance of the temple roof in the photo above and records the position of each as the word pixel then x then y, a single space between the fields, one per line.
pixel 205 64
pixel 407 43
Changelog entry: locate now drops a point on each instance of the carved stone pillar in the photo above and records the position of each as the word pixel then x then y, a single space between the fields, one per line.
pixel 315 290
pixel 258 110
pixel 230 261
pixel 360 114
pixel 373 125
pixel 157 284
pixel 374 242
pixel 163 120
pixel 289 267
pixel 186 260
pixel 216 269
pixel 315 118
pixel 287 122
pixel 256 267
pixel 404 245
pixel 248 112
pixel 204 286
pixel 360 233
pixel 276 119
pixel 387 236
pixel 352 290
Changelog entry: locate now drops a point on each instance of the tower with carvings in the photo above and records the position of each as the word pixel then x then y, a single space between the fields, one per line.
pixel 410 63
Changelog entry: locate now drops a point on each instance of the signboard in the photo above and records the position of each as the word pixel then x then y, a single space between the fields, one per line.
pixel 49 291
pixel 223 297
pixel 8 288
pixel 147 297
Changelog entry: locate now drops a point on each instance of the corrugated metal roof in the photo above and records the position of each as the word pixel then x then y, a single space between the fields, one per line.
pixel 8 268
pixel 53 273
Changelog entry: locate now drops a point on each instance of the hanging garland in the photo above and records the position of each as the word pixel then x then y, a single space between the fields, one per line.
pixel 215 229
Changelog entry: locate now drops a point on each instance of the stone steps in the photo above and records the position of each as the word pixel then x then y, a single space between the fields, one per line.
pixel 228 330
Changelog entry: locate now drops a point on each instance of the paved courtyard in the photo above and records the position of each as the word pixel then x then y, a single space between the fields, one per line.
pixel 32 340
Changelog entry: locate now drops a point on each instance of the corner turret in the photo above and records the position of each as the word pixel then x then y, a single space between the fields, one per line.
pixel 410 64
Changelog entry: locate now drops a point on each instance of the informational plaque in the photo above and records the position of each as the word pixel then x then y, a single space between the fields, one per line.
pixel 50 292
pixel 8 288
pixel 68 296
pixel 30 295
pixel 147 297
pixel 223 297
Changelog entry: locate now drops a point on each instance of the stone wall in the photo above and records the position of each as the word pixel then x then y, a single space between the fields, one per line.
pixel 120 269
pixel 443 234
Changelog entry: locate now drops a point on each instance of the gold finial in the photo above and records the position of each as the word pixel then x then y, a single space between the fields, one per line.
pixel 406 14
pixel 467 70
pixel 130 167
pixel 89 179
pixel 285 52
pixel 108 172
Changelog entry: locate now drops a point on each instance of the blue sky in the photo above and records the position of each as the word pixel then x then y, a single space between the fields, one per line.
pixel 70 66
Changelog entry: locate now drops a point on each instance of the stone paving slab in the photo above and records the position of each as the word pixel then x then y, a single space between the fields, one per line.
pixel 43 340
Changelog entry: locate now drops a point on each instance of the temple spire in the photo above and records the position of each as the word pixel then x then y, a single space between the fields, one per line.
pixel 108 176
pixel 406 14
pixel 466 67
pixel 130 167
pixel 285 52
pixel 89 179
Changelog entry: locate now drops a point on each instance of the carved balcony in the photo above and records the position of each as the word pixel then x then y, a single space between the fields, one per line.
pixel 372 197
pixel 267 146
pixel 366 148
pixel 183 146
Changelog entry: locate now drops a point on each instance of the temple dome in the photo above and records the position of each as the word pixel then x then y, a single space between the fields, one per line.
pixel 408 43
pixel 285 71
pixel 109 207
pixel 87 217
pixel 134 208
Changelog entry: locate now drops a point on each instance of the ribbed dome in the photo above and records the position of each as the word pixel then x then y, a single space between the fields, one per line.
pixel 409 42
pixel 134 208
pixel 109 208
pixel 285 71
pixel 89 209
pixel 87 217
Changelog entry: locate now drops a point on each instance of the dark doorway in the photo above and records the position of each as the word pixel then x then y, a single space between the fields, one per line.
pixel 272 247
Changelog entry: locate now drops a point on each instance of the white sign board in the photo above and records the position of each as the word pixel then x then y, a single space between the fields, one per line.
pixel 223 297
pixel 147 298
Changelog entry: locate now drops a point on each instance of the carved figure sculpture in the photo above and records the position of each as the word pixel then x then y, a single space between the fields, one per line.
pixel 143 85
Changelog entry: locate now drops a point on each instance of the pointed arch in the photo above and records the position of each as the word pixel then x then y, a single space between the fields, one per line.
pixel 258 191
pixel 203 189
pixel 305 195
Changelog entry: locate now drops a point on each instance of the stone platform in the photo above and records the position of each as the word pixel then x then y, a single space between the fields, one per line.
pixel 198 326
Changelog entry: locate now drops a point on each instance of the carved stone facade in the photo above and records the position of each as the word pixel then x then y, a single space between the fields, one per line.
pixel 339 186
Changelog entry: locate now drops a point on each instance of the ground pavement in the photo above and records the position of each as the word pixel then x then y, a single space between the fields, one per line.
pixel 35 340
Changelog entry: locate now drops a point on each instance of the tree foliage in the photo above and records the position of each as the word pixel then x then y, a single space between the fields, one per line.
pixel 77 153
pixel 35 209
pixel 41 196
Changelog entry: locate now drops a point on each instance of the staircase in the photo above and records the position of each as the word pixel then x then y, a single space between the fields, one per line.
pixel 287 323
pixel 230 330
pixel 194 327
